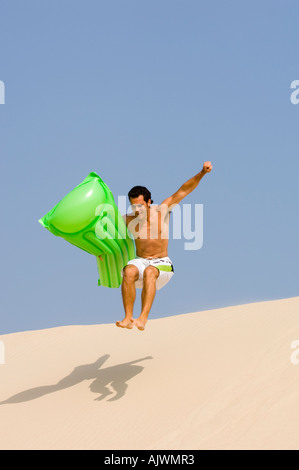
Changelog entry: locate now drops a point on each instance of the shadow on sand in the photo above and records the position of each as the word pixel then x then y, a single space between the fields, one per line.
pixel 115 376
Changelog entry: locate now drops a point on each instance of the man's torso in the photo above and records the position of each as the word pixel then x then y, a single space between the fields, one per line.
pixel 151 236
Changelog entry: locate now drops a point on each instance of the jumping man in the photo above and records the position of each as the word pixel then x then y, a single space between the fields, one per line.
pixel 152 269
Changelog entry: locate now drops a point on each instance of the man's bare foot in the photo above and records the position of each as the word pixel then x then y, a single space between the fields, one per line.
pixel 139 322
pixel 125 323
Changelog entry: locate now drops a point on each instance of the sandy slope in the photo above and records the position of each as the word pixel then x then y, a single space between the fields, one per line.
pixel 219 379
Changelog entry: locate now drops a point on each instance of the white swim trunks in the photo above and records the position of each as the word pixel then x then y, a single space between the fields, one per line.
pixel 164 266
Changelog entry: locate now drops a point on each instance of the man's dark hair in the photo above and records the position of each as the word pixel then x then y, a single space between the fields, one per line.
pixel 140 191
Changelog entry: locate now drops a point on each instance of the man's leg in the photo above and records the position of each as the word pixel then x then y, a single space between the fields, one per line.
pixel 128 291
pixel 150 276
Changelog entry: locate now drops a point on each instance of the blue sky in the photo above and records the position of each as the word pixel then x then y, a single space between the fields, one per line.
pixel 143 92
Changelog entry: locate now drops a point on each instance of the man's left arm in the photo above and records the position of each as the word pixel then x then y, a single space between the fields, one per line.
pixel 188 187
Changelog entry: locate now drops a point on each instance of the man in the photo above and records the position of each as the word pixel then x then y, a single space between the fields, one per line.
pixel 152 269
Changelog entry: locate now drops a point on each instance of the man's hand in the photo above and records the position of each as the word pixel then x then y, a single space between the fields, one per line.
pixel 207 167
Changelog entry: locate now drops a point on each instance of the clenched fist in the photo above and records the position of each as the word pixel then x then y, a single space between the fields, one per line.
pixel 207 167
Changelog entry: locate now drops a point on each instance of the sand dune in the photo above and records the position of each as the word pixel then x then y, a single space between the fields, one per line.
pixel 218 379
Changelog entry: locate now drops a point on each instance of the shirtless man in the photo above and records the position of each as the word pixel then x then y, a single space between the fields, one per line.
pixel 152 268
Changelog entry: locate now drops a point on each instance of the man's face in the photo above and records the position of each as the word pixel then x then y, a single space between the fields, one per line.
pixel 139 206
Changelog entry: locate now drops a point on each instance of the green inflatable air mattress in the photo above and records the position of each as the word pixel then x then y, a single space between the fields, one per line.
pixel 88 218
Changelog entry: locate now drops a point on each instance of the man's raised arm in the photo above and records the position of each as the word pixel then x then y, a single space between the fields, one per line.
pixel 188 187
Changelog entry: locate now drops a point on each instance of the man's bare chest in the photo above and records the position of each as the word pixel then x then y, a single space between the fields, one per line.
pixel 151 228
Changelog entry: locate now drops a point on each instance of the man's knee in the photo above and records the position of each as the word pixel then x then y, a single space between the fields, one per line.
pixel 131 273
pixel 150 274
